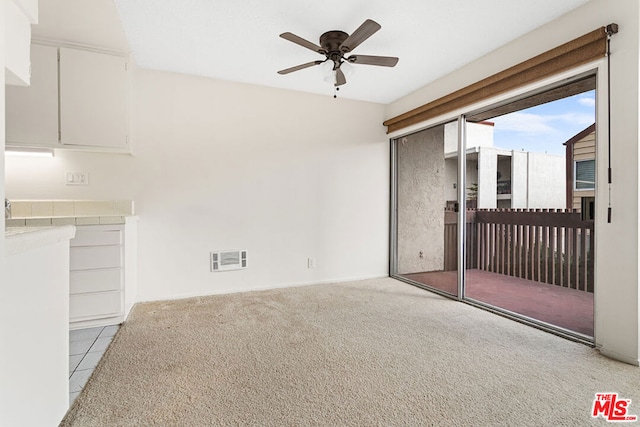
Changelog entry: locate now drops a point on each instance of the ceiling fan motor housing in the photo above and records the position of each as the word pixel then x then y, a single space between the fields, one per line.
pixel 331 42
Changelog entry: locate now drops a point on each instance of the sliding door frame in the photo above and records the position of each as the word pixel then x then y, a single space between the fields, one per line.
pixel 596 69
pixel 462 204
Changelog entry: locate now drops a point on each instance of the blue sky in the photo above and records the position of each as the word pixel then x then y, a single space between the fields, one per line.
pixel 545 127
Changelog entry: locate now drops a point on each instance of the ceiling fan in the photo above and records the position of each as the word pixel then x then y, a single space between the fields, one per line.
pixel 334 45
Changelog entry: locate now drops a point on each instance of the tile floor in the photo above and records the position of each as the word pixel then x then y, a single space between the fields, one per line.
pixel 86 347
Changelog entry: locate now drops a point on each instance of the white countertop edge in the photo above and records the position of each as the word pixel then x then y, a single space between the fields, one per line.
pixel 71 216
pixel 23 239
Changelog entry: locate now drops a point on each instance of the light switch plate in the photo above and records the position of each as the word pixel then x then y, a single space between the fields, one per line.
pixel 77 178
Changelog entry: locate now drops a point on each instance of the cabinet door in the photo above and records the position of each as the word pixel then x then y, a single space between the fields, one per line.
pixel 32 112
pixel 17 32
pixel 93 99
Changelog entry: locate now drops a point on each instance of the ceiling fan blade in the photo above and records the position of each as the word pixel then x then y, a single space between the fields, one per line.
pixel 363 32
pixel 383 61
pixel 340 78
pixel 302 42
pixel 300 67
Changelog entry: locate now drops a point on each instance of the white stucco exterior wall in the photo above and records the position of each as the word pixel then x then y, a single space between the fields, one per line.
pixel 451 179
pixel 547 178
pixel 421 201
pixel 477 135
pixel 519 180
pixel 487 179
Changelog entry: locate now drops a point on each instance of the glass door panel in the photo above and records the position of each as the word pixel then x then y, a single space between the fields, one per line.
pixel 530 230
pixel 426 188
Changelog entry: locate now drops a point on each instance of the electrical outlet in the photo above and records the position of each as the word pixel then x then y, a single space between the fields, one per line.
pixel 77 178
pixel 311 263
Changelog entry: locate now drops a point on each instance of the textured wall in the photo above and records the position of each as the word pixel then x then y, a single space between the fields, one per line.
pixel 421 200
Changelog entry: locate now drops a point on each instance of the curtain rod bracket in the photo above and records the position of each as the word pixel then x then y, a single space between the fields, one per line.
pixel 611 29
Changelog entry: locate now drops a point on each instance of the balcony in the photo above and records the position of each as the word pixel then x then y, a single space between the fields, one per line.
pixel 537 263
pixel 504 187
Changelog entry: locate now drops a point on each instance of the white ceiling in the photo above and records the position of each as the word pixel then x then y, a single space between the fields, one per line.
pixel 238 40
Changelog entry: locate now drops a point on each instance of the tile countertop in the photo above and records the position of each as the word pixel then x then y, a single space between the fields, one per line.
pixel 46 213
pixel 62 220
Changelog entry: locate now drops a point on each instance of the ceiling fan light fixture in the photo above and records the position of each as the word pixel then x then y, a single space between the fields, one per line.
pixel 326 67
pixel 330 78
pixel 328 73
pixel 348 69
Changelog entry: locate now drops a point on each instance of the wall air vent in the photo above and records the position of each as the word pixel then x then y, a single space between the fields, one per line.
pixel 228 260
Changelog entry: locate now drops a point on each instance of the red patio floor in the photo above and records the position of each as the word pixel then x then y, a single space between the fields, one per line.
pixel 567 308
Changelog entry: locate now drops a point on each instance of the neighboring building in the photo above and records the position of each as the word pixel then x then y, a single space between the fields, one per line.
pixel 581 172
pixel 501 178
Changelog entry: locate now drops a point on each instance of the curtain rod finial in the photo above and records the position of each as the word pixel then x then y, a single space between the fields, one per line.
pixel 611 29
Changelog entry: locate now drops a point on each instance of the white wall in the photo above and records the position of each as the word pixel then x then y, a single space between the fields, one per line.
pixel 34 313
pixel 282 174
pixel 616 295
pixel 220 165
pixel 2 132
pixel 3 277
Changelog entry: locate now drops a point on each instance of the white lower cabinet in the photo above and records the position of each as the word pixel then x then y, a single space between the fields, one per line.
pixel 97 276
pixel 91 305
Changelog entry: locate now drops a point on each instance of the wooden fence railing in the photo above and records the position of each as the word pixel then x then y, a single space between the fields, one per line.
pixel 548 246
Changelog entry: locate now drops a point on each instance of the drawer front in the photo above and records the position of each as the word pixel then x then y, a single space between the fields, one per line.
pixel 83 281
pixel 95 305
pixel 90 257
pixel 96 238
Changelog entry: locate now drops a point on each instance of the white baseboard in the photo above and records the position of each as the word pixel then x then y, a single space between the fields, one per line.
pixel 260 288
pixel 617 356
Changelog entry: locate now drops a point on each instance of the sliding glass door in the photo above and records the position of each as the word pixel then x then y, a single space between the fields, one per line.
pixel 526 236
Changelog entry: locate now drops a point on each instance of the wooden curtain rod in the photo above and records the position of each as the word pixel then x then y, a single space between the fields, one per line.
pixel 582 50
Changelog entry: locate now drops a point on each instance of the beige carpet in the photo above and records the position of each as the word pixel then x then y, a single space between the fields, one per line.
pixel 367 353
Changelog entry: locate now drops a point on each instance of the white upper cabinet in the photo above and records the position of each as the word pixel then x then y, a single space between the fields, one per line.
pixel 18 17
pixel 32 112
pixel 78 99
pixel 93 99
